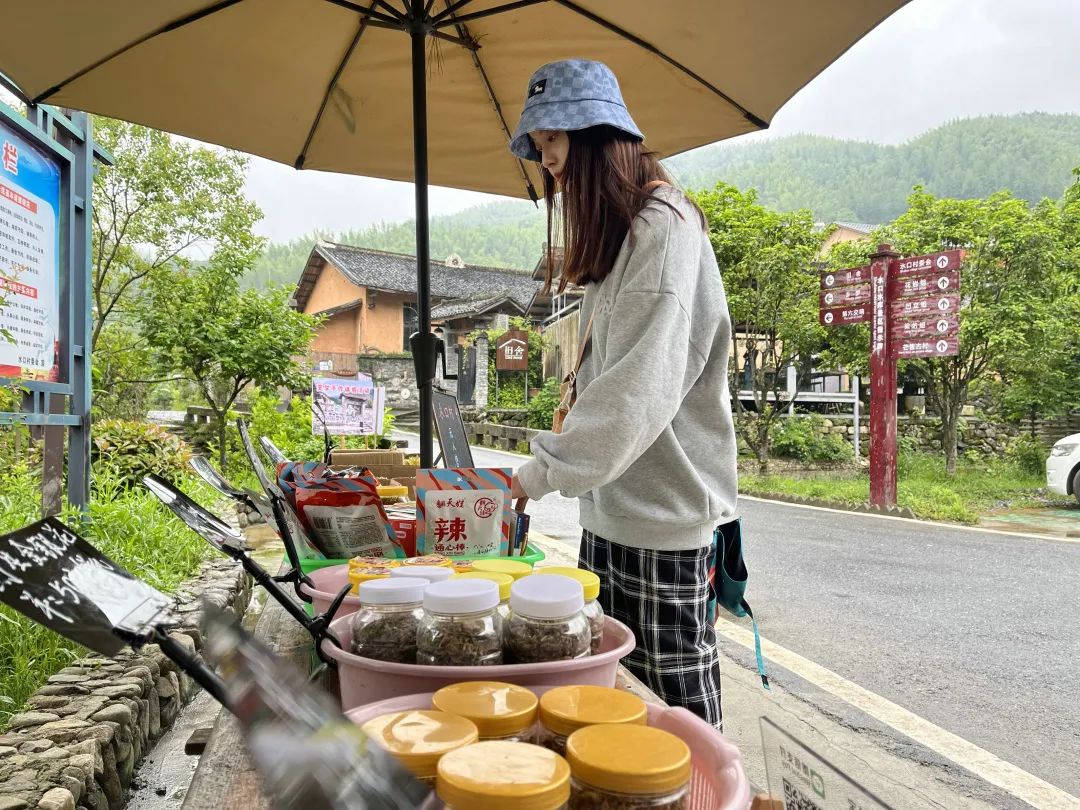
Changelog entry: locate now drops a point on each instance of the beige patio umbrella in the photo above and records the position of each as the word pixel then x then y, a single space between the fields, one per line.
pixel 337 85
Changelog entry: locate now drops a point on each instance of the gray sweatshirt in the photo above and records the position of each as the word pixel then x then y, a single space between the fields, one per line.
pixel 649 447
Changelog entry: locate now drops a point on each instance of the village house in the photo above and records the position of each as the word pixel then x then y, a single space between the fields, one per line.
pixel 368 301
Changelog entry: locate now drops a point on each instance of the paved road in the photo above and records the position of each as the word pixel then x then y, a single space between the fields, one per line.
pixel 976 632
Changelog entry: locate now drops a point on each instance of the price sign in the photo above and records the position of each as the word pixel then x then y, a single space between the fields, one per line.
pixel 51 575
pixel 925 307
pixel 929 263
pixel 914 286
pixel 926 327
pixel 453 441
pixel 845 278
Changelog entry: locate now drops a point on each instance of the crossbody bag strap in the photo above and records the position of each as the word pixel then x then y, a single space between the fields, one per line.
pixel 584 345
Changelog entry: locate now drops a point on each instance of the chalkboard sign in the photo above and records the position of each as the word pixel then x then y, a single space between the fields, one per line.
pixel 51 575
pixel 453 440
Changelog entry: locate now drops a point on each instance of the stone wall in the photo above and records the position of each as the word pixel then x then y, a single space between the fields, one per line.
pixel 85 731
pixel 500 436
pixel 396 374
pixel 982 436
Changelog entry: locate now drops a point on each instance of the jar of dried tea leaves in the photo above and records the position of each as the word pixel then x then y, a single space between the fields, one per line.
pixel 499 775
pixel 590 584
pixel 419 739
pixel 385 626
pixel 432 573
pixel 461 626
pixel 628 768
pixel 565 709
pixel 504 581
pixel 501 711
pixel 546 621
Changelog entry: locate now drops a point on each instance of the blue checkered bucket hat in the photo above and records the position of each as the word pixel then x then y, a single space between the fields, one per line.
pixel 571 95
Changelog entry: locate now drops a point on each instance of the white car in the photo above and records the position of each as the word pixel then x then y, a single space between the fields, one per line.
pixel 1063 467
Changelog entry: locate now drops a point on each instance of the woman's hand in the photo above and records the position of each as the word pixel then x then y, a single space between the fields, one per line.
pixel 516 490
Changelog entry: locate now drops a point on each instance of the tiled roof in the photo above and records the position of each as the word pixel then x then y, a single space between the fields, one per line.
pixel 328 313
pixel 860 227
pixel 463 309
pixel 396 272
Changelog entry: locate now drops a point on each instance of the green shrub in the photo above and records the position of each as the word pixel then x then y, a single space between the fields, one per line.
pixel 126 450
pixel 542 406
pixel 801 438
pixel 1028 454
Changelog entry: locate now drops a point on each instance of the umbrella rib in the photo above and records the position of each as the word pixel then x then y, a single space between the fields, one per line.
pixel 373 17
pixel 445 17
pixel 448 11
pixel 364 22
pixel 463 32
pixel 622 32
pixel 165 29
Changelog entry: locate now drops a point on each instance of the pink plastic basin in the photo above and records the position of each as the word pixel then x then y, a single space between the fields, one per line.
pixel 364 680
pixel 328 584
pixel 718 781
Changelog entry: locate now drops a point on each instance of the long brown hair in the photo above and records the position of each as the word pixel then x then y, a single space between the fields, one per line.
pixel 604 184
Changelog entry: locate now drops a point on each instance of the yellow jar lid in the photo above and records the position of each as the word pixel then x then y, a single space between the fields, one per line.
pixel 461 566
pixel 638 760
pixel 388 491
pixel 420 738
pixel 366 574
pixel 589 581
pixel 497 775
pixel 514 568
pixel 504 581
pixel 498 709
pixel 565 709
pixel 428 559
pixel 377 562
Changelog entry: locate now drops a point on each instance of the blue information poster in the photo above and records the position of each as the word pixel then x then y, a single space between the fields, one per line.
pixel 29 258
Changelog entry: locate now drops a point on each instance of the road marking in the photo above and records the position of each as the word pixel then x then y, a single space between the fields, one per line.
pixel 910 522
pixel 982 763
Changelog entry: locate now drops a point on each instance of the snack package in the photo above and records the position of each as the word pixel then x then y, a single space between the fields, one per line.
pixel 403 521
pixel 464 512
pixel 344 515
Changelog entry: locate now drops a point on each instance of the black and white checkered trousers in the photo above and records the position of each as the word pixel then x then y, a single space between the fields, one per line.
pixel 662 596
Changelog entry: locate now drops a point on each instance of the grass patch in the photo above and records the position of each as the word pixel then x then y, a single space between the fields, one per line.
pixel 130 526
pixel 922 486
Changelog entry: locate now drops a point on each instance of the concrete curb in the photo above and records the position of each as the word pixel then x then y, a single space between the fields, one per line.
pixel 824 503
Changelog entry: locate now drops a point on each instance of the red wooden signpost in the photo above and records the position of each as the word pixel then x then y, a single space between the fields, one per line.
pixel 912 306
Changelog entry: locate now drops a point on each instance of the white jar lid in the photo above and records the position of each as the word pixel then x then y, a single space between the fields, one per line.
pixel 546 597
pixel 432 573
pixel 392 591
pixel 461 596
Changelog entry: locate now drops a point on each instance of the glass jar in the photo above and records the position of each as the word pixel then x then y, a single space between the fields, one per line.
pixel 546 621
pixel 565 709
pixel 385 626
pixel 367 573
pixel 432 573
pixel 590 584
pixel 498 775
pixel 419 739
pixel 515 568
pixel 461 626
pixel 504 581
pixel 501 711
pixel 628 768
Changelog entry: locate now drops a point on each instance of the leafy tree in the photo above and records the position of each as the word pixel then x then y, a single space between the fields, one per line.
pixel 767 260
pixel 204 327
pixel 162 199
pixel 1010 247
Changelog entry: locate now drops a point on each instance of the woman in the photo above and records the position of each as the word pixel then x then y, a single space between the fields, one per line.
pixel 649 447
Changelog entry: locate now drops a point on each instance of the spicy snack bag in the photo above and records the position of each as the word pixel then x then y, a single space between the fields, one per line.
pixel 463 512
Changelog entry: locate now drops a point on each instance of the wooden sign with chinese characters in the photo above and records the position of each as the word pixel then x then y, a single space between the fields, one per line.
pixel 845 296
pixel 926 326
pixel 840 316
pixel 929 263
pixel 464 512
pixel 512 351
pixel 54 577
pixel 929 307
pixel 934 284
pixel 845 278
pixel 905 348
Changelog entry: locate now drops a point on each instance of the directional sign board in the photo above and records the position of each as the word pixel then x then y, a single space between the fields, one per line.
pixel 925 347
pixel 912 286
pixel 929 263
pixel 925 307
pixel 925 326
pixel 845 296
pixel 845 278
pixel 840 316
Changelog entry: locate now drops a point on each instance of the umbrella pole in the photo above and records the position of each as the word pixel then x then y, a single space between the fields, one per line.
pixel 423 342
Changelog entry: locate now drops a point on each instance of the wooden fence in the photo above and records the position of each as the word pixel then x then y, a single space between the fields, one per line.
pixel 562 346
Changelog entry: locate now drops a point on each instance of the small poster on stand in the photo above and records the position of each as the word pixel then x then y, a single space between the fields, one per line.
pixel 346 407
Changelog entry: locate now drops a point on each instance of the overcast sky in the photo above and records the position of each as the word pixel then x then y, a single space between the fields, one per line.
pixel 931 62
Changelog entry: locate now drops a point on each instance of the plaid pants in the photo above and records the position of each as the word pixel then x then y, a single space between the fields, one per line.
pixel 663 597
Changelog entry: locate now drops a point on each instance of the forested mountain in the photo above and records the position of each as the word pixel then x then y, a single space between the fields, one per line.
pixel 1031 155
